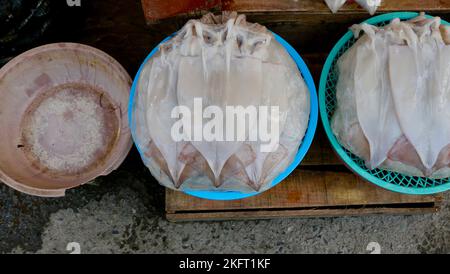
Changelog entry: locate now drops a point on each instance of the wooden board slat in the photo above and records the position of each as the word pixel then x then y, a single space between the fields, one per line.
pixel 321 186
pixel 305 189
pixel 160 9
pixel 320 6
pixel 312 35
pixel 320 152
pixel 296 213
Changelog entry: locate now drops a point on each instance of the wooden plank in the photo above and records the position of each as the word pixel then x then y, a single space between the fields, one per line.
pixel 320 152
pixel 160 9
pixel 297 213
pixel 312 35
pixel 320 6
pixel 306 189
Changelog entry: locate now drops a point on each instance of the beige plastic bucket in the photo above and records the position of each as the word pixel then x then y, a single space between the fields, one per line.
pixel 63 118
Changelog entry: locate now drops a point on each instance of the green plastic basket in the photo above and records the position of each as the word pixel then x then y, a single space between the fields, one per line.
pixel 327 102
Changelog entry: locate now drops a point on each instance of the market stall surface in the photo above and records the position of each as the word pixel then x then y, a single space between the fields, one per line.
pixel 123 213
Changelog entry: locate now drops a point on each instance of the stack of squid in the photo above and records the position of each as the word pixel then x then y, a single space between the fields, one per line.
pixel 393 97
pixel 225 61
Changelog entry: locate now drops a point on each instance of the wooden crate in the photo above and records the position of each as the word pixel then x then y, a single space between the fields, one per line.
pixel 321 186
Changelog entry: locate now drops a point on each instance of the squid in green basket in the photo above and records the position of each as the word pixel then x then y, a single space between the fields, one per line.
pixel 393 97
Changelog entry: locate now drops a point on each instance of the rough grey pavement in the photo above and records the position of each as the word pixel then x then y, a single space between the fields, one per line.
pixel 123 213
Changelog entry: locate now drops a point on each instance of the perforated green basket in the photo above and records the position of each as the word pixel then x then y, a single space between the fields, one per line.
pixel 327 102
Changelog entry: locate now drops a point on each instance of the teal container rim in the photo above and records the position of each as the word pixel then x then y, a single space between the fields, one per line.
pixel 303 149
pixel 326 123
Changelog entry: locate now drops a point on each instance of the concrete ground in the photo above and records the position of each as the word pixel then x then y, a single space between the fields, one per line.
pixel 123 213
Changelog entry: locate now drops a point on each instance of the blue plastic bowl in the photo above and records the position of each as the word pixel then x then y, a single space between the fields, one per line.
pixel 304 147
pixel 390 180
